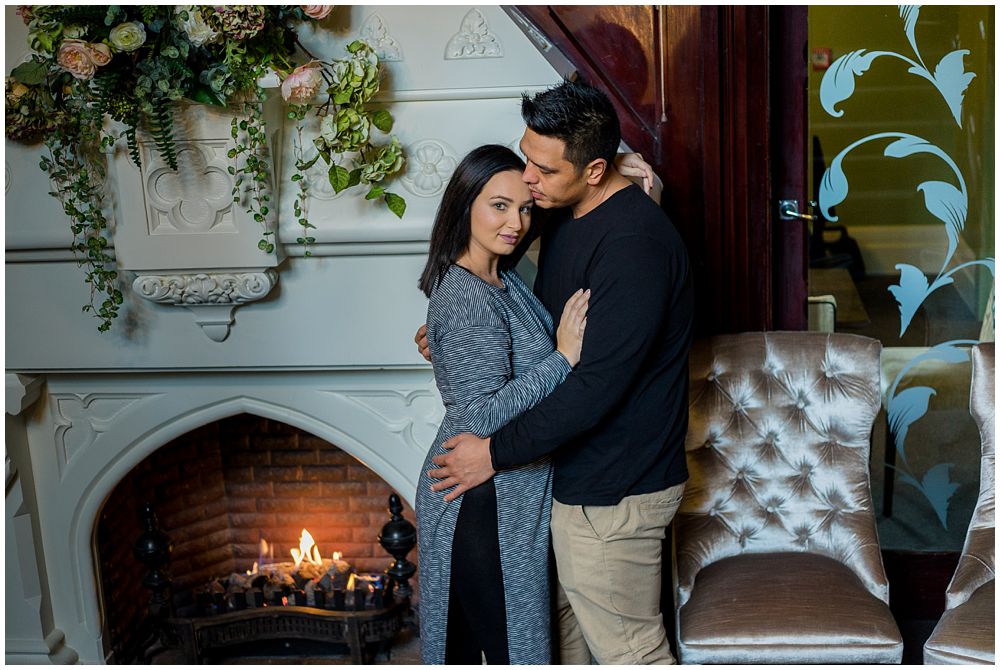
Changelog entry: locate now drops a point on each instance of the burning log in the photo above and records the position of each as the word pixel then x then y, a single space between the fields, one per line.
pixel 308 580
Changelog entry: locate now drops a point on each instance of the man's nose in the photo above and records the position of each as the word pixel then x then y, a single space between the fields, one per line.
pixel 530 175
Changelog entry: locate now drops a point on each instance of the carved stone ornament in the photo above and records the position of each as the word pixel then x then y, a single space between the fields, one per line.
pixel 429 168
pixel 186 220
pixel 414 415
pixel 378 38
pixel 211 297
pixel 22 392
pixel 473 40
pixel 81 418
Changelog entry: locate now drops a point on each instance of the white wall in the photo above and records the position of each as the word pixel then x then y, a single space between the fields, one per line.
pixel 355 302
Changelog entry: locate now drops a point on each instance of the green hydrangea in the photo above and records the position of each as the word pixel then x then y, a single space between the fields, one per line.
pixel 388 162
pixel 239 22
pixel 355 79
pixel 343 132
pixel 29 113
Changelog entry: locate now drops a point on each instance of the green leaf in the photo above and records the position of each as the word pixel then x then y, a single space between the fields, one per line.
pixel 262 245
pixel 382 120
pixel 376 192
pixel 206 96
pixel 355 178
pixel 396 204
pixel 307 164
pixel 30 73
pixel 340 178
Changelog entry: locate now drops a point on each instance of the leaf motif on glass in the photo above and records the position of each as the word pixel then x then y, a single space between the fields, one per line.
pixel 833 188
pixel 951 79
pixel 907 145
pixel 939 489
pixel 909 293
pixel 906 408
pixel 838 82
pixel 949 205
pixel 910 14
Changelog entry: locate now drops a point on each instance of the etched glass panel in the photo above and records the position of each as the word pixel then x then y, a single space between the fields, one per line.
pixel 901 118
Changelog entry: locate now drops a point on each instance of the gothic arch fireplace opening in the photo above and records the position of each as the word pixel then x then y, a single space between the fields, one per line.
pixel 233 496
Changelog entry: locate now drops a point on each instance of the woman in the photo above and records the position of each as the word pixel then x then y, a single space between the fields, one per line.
pixel 484 557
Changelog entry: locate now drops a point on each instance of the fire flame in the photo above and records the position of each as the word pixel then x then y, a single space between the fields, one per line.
pixel 307 550
pixel 337 555
pixel 254 570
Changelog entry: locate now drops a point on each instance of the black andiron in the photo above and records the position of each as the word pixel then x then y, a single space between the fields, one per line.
pixel 398 537
pixel 152 548
pixel 225 622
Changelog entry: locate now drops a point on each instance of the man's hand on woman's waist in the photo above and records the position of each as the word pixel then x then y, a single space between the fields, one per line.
pixel 466 465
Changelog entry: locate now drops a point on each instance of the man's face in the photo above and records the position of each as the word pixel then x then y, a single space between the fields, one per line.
pixel 553 180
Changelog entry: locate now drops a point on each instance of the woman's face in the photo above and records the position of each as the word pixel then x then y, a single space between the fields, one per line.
pixel 501 214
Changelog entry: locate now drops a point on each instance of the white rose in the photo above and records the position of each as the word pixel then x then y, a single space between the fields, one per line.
pixel 74 32
pixel 195 27
pixel 128 36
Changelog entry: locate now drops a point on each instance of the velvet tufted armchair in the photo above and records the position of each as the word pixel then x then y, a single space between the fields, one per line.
pixel 777 557
pixel 966 631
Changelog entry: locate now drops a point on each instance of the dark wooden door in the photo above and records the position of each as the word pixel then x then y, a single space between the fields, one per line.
pixel 714 98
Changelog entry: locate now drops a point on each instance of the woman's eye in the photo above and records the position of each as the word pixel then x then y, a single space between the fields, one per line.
pixel 500 206
pixel 526 209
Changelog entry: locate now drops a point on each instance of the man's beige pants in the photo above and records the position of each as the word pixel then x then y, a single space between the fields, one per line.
pixel 609 560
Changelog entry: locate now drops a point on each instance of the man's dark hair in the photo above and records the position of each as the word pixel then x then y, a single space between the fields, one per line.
pixel 453 223
pixel 579 115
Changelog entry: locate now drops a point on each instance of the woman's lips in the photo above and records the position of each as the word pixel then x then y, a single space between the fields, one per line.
pixel 509 239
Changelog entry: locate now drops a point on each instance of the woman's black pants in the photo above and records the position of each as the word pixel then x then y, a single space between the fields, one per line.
pixel 477 618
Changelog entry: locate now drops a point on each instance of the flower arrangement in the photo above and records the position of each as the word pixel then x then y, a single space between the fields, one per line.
pixel 131 64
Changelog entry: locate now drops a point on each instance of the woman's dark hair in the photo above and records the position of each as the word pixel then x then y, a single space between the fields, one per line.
pixel 453 223
pixel 579 115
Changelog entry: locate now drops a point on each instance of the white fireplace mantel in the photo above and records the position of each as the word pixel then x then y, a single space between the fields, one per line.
pixel 88 431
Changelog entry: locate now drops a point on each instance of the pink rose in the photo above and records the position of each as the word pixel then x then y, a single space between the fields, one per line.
pixel 303 83
pixel 76 56
pixel 100 53
pixel 318 12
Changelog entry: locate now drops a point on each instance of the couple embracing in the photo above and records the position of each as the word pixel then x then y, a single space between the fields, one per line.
pixel 571 429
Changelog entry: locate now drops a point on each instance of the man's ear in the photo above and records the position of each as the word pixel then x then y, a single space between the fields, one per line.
pixel 595 170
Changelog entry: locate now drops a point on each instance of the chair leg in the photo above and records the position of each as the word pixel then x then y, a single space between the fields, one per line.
pixel 889 477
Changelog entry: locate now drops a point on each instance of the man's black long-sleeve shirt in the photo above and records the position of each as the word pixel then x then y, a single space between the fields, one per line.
pixel 617 423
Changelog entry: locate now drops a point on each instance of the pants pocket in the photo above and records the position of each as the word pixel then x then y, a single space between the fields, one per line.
pixel 599 518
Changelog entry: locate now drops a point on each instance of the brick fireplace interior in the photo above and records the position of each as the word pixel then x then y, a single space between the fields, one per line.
pixel 217 491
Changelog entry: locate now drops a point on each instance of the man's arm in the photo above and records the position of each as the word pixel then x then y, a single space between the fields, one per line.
pixel 631 289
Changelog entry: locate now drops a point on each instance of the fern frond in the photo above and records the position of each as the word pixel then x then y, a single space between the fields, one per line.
pixel 133 145
pixel 105 85
pixel 162 127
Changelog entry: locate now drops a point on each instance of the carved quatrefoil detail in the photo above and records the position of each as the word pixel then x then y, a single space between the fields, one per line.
pixel 197 197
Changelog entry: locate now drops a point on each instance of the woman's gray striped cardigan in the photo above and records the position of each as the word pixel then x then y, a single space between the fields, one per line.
pixel 494 358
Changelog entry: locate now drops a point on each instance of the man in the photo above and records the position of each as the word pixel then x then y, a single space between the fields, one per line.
pixel 616 426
